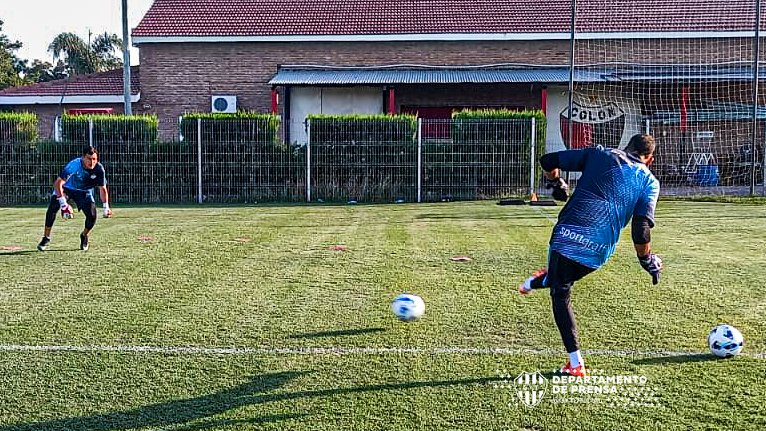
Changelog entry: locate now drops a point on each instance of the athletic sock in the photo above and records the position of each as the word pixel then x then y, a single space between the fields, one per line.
pixel 575 359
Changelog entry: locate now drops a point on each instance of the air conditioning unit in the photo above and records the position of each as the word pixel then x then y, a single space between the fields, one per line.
pixel 223 103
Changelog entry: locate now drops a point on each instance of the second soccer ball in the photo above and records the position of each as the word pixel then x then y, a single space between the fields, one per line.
pixel 408 307
pixel 725 341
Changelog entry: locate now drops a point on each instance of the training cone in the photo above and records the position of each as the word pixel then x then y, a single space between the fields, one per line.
pixel 533 198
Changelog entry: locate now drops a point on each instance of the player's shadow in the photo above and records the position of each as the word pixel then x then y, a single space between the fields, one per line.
pixel 178 414
pixel 26 252
pixel 675 359
pixel 338 333
pixel 550 374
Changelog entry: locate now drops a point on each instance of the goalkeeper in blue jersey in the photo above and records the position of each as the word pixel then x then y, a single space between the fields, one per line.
pixel 615 187
pixel 76 182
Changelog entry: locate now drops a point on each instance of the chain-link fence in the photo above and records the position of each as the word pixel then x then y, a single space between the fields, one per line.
pixel 240 161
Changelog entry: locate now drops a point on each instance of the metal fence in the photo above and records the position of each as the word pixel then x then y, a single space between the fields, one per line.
pixel 437 160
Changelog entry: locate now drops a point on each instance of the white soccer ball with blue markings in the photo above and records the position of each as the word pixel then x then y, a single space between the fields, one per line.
pixel 725 341
pixel 408 307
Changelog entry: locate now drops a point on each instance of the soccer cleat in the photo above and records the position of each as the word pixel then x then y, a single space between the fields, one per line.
pixel 43 245
pixel 83 242
pixel 526 286
pixel 578 371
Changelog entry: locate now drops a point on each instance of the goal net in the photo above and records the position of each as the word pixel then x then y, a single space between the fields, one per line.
pixel 682 71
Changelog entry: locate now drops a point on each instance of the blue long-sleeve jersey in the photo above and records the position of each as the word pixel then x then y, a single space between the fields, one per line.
pixel 614 186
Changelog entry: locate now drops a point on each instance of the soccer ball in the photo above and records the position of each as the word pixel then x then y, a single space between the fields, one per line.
pixel 725 341
pixel 408 307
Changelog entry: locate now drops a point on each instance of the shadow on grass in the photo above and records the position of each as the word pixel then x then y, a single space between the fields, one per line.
pixel 339 333
pixel 196 413
pixel 675 359
pixel 25 252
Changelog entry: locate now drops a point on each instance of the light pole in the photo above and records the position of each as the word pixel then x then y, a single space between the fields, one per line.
pixel 128 110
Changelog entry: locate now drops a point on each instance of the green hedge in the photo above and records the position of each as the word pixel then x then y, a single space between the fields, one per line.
pixel 327 129
pixel 123 142
pixel 503 114
pixel 28 169
pixel 358 157
pixel 488 155
pixel 366 158
pixel 18 127
pixel 109 128
pixel 244 157
pixel 19 160
pixel 240 127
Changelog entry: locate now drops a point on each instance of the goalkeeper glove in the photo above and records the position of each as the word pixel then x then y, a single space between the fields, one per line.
pixel 107 211
pixel 66 209
pixel 651 264
pixel 559 189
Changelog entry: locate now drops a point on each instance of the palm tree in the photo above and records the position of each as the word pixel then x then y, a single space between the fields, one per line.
pixel 87 57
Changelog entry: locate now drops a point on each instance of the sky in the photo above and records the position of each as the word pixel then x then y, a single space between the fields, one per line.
pixel 35 23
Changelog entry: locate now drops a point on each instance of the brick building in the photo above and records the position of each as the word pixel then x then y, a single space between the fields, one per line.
pixel 428 57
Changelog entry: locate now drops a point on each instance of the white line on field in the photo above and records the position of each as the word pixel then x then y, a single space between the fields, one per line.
pixel 551 219
pixel 192 350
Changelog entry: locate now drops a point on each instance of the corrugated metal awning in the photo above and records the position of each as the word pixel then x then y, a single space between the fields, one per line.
pixel 337 76
pixel 543 75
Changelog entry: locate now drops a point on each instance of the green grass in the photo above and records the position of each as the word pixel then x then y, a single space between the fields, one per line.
pixel 266 278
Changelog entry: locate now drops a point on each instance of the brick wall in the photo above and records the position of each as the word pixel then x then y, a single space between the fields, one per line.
pixel 178 78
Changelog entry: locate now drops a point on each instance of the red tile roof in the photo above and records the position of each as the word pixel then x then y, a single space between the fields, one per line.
pixel 97 84
pixel 211 18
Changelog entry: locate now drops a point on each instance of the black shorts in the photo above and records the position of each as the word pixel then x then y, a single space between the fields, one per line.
pixel 563 272
pixel 83 200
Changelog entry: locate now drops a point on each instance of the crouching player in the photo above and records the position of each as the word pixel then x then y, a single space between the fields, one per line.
pixel 76 182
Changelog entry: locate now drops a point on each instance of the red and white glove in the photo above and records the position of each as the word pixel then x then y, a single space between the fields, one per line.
pixel 66 209
pixel 107 211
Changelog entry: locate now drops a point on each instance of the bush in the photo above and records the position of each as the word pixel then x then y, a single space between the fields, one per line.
pixel 244 158
pixel 488 156
pixel 109 129
pixel 18 127
pixel 234 128
pixel 363 157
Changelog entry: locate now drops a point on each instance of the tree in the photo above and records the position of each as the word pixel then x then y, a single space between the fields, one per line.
pixel 10 64
pixel 83 57
pixel 42 71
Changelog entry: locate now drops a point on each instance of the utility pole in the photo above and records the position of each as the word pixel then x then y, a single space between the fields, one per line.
pixel 128 110
pixel 570 102
pixel 756 77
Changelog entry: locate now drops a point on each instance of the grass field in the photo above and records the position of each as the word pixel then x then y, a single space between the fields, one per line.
pixel 244 318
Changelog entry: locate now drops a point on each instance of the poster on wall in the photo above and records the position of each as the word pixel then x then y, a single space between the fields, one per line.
pixel 595 124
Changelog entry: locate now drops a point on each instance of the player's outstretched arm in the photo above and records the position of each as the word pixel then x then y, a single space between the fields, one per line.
pixel 104 195
pixel 642 241
pixel 569 160
pixel 58 186
pixel 66 209
pixel 558 187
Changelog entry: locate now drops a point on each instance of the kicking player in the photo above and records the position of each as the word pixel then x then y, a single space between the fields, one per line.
pixel 76 182
pixel 614 187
